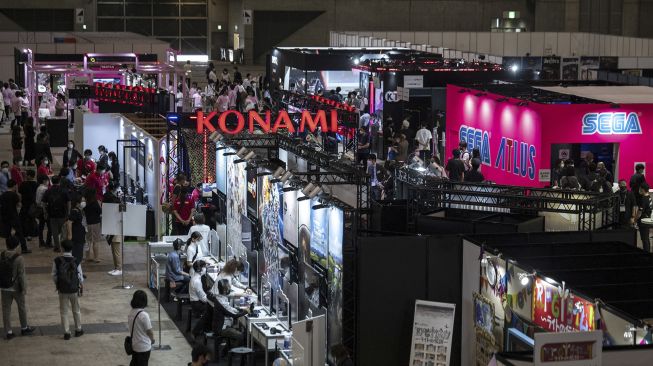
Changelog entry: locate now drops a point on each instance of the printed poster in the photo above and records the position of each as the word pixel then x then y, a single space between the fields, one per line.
pixel 290 227
pixel 236 205
pixel 557 309
pixel 569 68
pixel 568 349
pixel 432 333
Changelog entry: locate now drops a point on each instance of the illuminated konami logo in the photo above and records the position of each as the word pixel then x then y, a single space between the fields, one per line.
pixel 267 123
pixel 611 123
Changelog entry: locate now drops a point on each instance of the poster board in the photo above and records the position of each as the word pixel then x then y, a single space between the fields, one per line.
pixel 483 325
pixel 134 220
pixel 432 333
pixel 568 349
pixel 556 309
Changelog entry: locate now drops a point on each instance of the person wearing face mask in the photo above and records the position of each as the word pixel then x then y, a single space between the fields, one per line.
pixel 16 173
pixel 4 176
pixel 96 181
pixel 201 355
pixel 199 300
pixel 645 206
pixel 104 158
pixel 627 206
pixel 87 165
pixel 193 249
pixel 9 205
pixel 76 230
pixel 44 168
pixel 70 154
pixel 231 271
pixel 374 170
pixel 558 173
pixel 203 229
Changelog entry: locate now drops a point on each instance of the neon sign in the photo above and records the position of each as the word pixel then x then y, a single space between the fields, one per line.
pixel 512 156
pixel 116 93
pixel 266 122
pixel 611 123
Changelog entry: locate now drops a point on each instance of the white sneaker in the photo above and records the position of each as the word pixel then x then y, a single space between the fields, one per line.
pixel 117 272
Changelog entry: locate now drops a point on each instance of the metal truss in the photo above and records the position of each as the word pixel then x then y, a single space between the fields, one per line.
pixel 425 193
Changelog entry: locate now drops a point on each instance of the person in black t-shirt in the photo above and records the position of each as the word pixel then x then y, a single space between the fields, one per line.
pixel 9 203
pixel 644 213
pixel 636 180
pixel 455 167
pixel 363 145
pixel 27 191
pixel 627 206
pixel 76 231
pixel 474 175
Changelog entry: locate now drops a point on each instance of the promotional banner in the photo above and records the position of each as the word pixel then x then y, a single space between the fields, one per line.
pixel 568 349
pixel 432 333
pixel 252 192
pixel 336 227
pixel 221 170
pixel 507 136
pixel 319 234
pixel 271 222
pixel 304 232
pixel 290 226
pixel 556 309
pixel 569 68
pixel 236 204
pixel 550 68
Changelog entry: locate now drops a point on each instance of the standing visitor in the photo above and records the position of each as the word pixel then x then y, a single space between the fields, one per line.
pixel 179 100
pixel 627 206
pixel 363 145
pixel 42 147
pixel 15 108
pixel 76 232
pixel 30 146
pixel 193 249
pixel 645 207
pixel 41 215
pixel 24 107
pixel 222 103
pixel 465 155
pixel 56 201
pixel 374 170
pixel 115 167
pixel 199 300
pixel 13 287
pixel 474 175
pixel 188 71
pixel 225 76
pixel 70 154
pixel 238 77
pixel 140 328
pixel 87 165
pixel 95 181
pixel 455 167
pixel 16 141
pixel 68 279
pixel 103 159
pixel 44 167
pixel 6 98
pixel 637 179
pixel 114 241
pixel 16 173
pixel 93 213
pixel 28 209
pixel 423 138
pixel 436 168
pixel 182 207
pixel 9 205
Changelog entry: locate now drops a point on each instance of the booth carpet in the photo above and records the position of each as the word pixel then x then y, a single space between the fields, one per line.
pixel 170 307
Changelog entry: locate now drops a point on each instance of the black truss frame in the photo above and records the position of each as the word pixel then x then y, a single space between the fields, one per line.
pixel 594 210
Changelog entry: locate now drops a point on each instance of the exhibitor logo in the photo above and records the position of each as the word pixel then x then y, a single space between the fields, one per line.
pixel 611 123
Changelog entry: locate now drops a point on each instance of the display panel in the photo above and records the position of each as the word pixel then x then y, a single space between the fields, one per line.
pixel 556 309
pixel 319 234
pixel 271 222
pixel 236 203
pixel 252 193
pixel 312 286
pixel 290 225
pixel 304 232
pixel 336 227
pixel 221 170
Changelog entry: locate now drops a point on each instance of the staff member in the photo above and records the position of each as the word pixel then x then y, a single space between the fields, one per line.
pixel 644 213
pixel 199 300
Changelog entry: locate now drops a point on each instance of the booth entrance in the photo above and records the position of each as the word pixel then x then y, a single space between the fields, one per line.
pixel 607 153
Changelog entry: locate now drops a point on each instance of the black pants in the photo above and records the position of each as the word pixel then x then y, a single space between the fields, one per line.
pixel 140 359
pixel 644 234
pixel 42 225
pixel 179 229
pixel 206 317
pixel 14 224
pixel 28 222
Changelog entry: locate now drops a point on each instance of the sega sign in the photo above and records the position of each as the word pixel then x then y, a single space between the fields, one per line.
pixel 611 123
pixel 476 139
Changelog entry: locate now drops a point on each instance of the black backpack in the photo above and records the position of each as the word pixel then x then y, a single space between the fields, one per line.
pixel 67 277
pixel 7 278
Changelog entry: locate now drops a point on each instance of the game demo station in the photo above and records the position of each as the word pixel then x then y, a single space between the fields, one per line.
pixel 524 133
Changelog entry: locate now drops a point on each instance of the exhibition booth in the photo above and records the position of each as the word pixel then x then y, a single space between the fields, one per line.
pixel 523 132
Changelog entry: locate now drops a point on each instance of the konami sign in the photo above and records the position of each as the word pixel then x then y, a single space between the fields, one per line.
pixel 308 122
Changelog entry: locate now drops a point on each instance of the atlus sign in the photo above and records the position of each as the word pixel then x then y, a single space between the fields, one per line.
pixel 266 122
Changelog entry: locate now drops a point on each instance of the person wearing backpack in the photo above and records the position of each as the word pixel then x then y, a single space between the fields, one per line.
pixel 68 278
pixel 13 288
pixel 56 201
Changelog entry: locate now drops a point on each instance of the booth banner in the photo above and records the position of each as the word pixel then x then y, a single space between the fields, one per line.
pixel 319 234
pixel 569 68
pixel 413 81
pixel 432 333
pixel 508 136
pixel 271 221
pixel 236 204
pixel 335 271
pixel 556 309
pixel 551 68
pixel 568 349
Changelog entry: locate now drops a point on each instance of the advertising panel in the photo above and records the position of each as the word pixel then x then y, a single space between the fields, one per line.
pixel 319 234
pixel 507 136
pixel 432 333
pixel 304 232
pixel 336 227
pixel 556 309
pixel 236 204
pixel 569 349
pixel 252 193
pixel 290 226
pixel 271 221
pixel 221 170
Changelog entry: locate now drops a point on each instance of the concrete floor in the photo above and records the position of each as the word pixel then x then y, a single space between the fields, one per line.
pixel 104 310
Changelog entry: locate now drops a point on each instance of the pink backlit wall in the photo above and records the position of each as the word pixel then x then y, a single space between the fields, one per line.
pixel 534 128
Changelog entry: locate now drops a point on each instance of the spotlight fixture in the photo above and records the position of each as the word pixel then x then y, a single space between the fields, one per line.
pixel 245 158
pixel 290 189
pixel 241 153
pixel 310 191
pixel 320 206
pixel 514 68
pixel 216 136
pixel 525 278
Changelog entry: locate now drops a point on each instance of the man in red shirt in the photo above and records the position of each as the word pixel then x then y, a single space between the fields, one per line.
pixel 15 172
pixel 95 180
pixel 44 168
pixel 182 206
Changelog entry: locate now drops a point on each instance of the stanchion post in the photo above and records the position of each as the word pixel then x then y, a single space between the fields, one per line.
pixel 160 346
